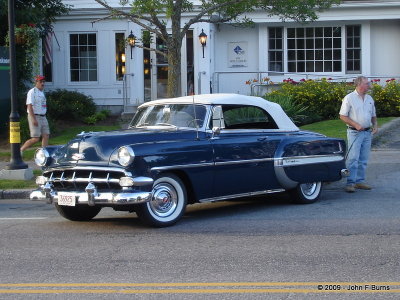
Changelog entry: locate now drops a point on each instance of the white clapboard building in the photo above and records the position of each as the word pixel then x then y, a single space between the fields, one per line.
pixel 88 55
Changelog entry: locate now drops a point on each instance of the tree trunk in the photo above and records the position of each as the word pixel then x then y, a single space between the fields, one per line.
pixel 174 68
pixel 174 52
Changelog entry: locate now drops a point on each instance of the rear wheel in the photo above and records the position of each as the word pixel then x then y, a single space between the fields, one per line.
pixel 306 193
pixel 167 204
pixel 78 212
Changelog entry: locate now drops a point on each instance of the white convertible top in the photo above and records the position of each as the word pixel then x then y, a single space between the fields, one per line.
pixel 274 109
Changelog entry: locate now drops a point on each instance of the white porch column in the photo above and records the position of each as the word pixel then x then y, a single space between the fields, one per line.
pixel 203 66
pixel 135 80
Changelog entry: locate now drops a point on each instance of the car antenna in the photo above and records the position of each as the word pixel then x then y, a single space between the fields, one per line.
pixel 195 119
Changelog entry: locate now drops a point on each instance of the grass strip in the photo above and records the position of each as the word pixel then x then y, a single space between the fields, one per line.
pixel 336 128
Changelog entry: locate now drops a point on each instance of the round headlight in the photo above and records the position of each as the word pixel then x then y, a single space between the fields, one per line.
pixel 125 156
pixel 41 156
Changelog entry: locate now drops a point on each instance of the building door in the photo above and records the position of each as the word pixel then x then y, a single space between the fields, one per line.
pixel 155 68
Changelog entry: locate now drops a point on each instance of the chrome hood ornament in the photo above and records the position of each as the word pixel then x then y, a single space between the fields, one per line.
pixel 78 156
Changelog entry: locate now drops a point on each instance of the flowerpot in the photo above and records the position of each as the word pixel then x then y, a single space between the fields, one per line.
pixel 20 39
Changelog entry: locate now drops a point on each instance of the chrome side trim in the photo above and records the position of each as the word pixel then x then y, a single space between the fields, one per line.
pixel 182 166
pixel 221 198
pixel 245 161
pixel 255 130
pixel 306 160
pixel 212 164
pixel 279 162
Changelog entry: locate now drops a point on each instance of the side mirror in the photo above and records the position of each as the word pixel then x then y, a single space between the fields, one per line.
pixel 216 130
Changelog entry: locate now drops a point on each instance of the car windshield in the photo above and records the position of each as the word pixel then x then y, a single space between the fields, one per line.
pixel 173 115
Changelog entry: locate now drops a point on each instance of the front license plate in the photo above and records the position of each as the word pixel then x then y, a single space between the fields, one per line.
pixel 66 199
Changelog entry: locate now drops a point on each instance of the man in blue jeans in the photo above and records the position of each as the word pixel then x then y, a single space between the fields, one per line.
pixel 358 112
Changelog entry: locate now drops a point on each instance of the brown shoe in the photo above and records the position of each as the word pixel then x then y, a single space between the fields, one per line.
pixel 350 189
pixel 362 186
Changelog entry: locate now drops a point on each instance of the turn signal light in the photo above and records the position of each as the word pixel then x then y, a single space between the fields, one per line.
pixel 126 181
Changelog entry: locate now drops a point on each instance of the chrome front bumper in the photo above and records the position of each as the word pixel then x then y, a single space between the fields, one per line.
pixel 91 196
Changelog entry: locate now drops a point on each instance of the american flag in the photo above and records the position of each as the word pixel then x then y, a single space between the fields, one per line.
pixel 48 49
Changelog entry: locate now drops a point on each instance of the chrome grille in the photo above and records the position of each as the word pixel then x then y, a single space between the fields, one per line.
pixel 78 179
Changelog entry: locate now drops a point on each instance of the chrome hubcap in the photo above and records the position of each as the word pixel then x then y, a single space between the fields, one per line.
pixel 164 200
pixel 308 189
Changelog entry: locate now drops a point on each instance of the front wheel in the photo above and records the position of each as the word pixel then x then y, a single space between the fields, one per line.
pixel 167 204
pixel 306 193
pixel 78 212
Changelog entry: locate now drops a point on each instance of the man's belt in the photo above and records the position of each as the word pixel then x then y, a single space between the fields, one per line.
pixel 365 129
pixel 40 115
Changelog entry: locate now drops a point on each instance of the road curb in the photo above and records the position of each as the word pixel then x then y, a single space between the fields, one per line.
pixel 15 194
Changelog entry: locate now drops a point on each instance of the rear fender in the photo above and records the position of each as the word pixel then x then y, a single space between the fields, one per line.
pixel 309 159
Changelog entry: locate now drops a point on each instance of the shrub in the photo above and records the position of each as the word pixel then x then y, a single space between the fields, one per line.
pixel 298 112
pixel 99 116
pixel 322 98
pixel 91 120
pixel 69 105
pixel 387 98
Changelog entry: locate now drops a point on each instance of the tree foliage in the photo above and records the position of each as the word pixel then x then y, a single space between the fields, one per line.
pixel 38 13
pixel 163 18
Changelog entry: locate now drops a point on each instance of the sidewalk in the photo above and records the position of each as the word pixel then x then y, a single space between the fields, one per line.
pixel 388 138
pixel 17 193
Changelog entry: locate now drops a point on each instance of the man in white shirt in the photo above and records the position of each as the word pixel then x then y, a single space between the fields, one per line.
pixel 358 112
pixel 37 108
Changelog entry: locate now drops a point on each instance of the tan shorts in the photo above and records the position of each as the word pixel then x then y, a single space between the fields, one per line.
pixel 42 128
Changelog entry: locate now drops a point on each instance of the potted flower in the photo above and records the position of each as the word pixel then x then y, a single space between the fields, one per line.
pixel 27 34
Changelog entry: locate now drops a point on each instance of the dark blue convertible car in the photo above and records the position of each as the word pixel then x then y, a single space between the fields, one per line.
pixel 187 150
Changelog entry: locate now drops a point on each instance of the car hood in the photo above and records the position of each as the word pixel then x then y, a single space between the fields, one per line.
pixel 96 148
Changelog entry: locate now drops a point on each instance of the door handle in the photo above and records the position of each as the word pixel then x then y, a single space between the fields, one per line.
pixel 262 139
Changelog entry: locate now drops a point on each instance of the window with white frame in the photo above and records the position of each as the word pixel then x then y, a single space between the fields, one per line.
pixel 275 49
pixel 314 49
pixel 120 56
pixel 353 49
pixel 83 57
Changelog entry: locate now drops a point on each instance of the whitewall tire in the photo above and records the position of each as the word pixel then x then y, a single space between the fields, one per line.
pixel 306 193
pixel 168 202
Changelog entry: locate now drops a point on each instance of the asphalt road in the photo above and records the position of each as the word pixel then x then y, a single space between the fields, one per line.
pixel 285 250
pixel 344 246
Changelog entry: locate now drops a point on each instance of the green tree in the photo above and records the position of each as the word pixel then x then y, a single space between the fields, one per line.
pixel 29 14
pixel 154 15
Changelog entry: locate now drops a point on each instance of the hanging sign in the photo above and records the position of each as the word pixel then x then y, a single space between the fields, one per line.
pixel 5 95
pixel 237 54
pixel 15 133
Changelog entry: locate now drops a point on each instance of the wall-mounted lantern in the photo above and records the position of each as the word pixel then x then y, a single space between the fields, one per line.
pixel 203 40
pixel 131 41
